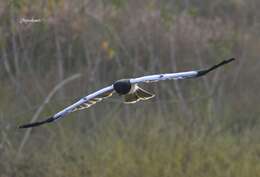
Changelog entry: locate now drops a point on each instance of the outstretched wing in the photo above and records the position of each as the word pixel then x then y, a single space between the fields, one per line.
pixel 83 103
pixel 181 75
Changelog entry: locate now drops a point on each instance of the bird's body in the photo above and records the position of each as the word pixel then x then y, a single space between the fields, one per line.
pixel 131 91
pixel 128 88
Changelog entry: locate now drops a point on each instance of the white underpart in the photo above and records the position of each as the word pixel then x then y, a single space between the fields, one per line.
pixel 133 88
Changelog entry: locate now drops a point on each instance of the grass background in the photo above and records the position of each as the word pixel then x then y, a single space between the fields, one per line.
pixel 203 127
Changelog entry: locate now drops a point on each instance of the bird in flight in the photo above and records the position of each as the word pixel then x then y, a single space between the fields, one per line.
pixel 128 88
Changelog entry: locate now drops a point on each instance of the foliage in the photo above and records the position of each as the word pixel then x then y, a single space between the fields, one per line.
pixel 203 127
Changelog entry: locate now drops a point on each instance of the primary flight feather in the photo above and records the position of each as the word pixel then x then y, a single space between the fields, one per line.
pixel 125 87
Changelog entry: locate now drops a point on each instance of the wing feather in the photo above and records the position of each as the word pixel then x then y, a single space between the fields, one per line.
pixel 83 103
pixel 93 101
pixel 180 75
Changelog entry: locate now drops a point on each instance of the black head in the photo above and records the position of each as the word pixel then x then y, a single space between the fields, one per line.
pixel 122 86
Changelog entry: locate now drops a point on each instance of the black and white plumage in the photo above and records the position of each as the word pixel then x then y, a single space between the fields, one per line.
pixel 125 87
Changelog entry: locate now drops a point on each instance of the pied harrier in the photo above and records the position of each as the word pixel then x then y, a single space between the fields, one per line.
pixel 128 88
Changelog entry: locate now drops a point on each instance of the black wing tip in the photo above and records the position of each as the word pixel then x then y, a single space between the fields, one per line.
pixel 26 126
pixel 30 125
pixel 205 71
pixel 229 60
pixel 35 124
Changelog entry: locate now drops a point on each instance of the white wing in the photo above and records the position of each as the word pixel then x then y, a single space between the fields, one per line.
pixel 176 76
pixel 167 76
pixel 83 103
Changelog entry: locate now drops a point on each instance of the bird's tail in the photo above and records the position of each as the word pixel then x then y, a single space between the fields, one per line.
pixel 139 94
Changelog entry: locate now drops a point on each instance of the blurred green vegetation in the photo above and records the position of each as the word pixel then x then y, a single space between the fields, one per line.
pixel 204 127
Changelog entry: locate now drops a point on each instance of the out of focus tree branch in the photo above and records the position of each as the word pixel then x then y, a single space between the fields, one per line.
pixel 40 109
